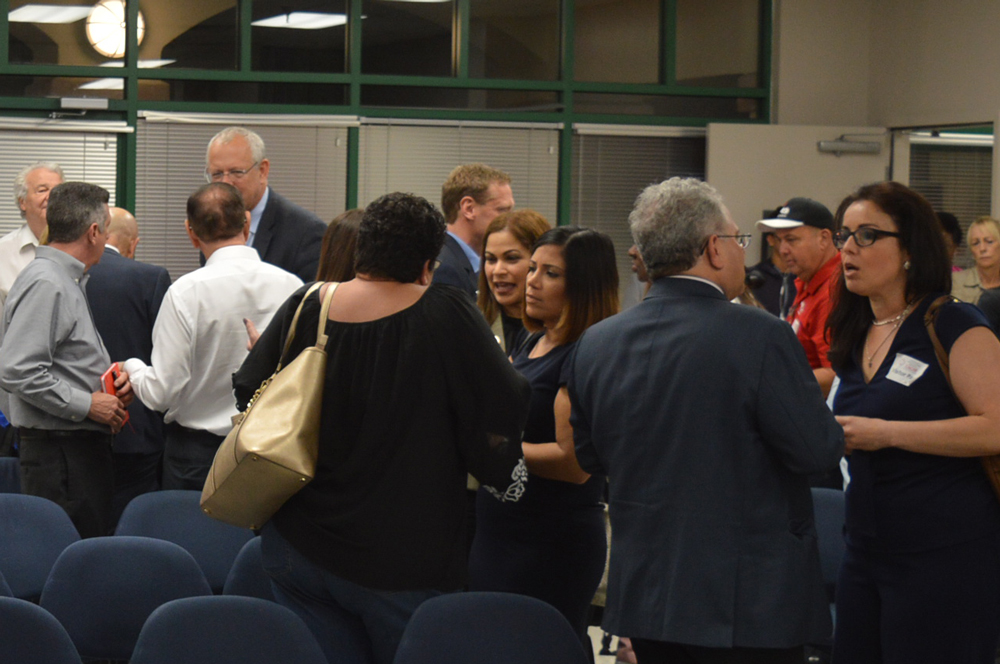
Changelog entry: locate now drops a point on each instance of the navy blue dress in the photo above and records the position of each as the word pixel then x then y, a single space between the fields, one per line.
pixel 921 577
pixel 551 544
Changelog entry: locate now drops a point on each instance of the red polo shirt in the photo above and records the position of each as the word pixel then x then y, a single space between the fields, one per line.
pixel 809 311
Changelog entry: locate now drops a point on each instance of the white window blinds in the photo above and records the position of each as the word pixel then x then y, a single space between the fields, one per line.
pixel 308 166
pixel 84 157
pixel 610 169
pixel 416 158
pixel 956 179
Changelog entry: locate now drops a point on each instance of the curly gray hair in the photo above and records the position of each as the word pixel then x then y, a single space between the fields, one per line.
pixel 672 220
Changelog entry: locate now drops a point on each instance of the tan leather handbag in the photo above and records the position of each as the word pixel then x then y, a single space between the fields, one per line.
pixel 991 464
pixel 270 454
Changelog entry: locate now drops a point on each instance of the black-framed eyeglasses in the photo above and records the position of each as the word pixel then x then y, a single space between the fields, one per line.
pixel 863 237
pixel 742 239
pixel 235 174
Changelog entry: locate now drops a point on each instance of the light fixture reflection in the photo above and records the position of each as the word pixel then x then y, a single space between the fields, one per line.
pixel 48 14
pixel 106 28
pixel 302 21
pixel 104 84
pixel 143 64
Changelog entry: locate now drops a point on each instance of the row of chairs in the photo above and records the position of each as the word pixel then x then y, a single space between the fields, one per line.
pixel 34 531
pixel 463 628
pixel 193 630
pixel 103 589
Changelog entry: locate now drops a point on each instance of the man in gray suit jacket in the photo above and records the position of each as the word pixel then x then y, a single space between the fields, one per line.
pixel 707 419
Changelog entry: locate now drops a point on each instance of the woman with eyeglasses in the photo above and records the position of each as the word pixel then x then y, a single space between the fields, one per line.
pixel 552 544
pixel 920 581
pixel 984 244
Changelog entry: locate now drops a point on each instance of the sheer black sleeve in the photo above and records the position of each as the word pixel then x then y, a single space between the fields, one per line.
pixel 489 400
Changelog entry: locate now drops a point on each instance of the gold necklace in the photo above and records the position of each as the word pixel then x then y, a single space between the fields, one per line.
pixel 898 320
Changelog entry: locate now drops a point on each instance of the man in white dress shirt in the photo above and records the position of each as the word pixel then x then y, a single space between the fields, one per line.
pixel 31 191
pixel 199 338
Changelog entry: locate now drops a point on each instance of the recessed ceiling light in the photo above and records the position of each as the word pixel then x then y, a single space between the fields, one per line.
pixel 302 21
pixel 48 14
pixel 104 84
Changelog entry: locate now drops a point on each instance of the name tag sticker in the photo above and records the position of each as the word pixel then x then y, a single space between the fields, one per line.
pixel 906 369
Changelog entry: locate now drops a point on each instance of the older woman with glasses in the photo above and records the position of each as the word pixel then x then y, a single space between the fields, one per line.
pixel 920 580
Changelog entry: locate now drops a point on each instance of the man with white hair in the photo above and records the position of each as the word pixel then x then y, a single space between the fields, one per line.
pixel 706 419
pixel 31 192
pixel 283 233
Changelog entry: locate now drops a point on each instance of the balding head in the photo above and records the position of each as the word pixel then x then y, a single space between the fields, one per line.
pixel 123 232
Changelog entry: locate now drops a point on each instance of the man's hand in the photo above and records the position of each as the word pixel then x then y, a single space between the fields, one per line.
pixel 107 409
pixel 123 387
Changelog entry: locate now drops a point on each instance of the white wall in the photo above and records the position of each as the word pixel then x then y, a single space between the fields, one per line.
pixel 821 61
pixel 935 62
pixel 758 167
pixel 893 63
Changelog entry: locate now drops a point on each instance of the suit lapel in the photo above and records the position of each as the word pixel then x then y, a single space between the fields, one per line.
pixel 265 229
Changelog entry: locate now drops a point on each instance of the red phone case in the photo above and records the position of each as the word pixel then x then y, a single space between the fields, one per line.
pixel 108 383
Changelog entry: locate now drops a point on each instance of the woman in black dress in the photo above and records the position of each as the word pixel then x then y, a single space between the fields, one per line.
pixel 552 545
pixel 417 395
pixel 920 581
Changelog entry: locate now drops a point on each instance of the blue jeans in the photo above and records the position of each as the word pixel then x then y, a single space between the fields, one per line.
pixel 352 623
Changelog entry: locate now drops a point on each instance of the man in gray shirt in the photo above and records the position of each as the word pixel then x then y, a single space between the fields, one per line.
pixel 52 360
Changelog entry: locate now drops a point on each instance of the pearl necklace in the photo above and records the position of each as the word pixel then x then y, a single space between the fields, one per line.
pixel 895 319
pixel 898 320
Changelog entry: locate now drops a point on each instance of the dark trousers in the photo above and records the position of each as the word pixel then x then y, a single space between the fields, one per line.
pixel 351 623
pixel 921 607
pixel 135 474
pixel 663 652
pixel 556 556
pixel 73 469
pixel 187 456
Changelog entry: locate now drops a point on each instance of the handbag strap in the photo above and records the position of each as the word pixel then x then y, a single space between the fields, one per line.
pixel 321 335
pixel 930 319
pixel 295 321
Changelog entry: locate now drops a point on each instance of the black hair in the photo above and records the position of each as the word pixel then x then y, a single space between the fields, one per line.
pixel 929 271
pixel 399 233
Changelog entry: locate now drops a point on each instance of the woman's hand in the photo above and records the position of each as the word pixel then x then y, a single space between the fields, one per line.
pixel 864 433
pixel 252 334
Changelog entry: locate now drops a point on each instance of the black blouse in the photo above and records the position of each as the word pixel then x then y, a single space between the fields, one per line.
pixel 412 403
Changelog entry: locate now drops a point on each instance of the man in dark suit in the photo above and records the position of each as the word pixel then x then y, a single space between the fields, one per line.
pixel 471 197
pixel 706 418
pixel 283 233
pixel 125 296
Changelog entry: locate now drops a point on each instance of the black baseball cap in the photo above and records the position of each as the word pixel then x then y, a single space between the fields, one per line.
pixel 799 212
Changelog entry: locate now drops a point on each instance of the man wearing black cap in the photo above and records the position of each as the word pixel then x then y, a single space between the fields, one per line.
pixel 804 229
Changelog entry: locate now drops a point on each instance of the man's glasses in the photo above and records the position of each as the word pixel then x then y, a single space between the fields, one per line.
pixel 863 237
pixel 742 240
pixel 235 174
